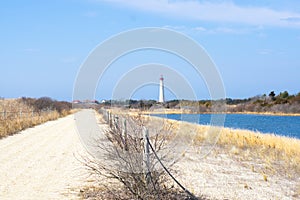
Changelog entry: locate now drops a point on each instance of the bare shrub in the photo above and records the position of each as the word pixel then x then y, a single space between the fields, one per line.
pixel 121 161
pixel 19 114
pixel 44 103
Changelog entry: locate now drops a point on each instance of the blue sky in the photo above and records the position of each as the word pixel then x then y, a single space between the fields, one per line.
pixel 254 44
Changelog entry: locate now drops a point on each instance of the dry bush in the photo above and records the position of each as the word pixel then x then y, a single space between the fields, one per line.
pixel 46 103
pixel 19 114
pixel 9 127
pixel 121 165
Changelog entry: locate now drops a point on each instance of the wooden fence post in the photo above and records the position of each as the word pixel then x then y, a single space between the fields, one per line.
pixel 124 134
pixel 110 119
pixel 107 117
pixel 146 157
pixel 116 122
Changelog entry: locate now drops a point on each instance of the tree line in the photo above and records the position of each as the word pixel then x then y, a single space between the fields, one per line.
pixel 282 102
pixel 46 103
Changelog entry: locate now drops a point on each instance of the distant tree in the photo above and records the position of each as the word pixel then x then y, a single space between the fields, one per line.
pixel 44 103
pixel 272 95
pixel 61 106
pixel 229 101
pixel 141 104
pixel 173 103
pixel 296 99
pixel 284 95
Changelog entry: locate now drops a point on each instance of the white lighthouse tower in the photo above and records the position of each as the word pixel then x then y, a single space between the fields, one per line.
pixel 161 90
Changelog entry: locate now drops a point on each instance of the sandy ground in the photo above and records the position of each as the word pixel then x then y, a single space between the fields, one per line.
pixel 42 162
pixel 223 176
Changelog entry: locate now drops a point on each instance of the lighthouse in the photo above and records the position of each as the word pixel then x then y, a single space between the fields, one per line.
pixel 161 90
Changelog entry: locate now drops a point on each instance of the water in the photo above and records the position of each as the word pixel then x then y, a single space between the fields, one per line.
pixel 280 125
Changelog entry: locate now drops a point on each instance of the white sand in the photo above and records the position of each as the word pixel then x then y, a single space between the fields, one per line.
pixel 41 162
pixel 223 176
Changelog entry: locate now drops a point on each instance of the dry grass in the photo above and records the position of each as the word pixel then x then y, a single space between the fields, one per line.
pixel 14 122
pixel 269 147
pixel 274 150
pixel 277 154
pixel 270 158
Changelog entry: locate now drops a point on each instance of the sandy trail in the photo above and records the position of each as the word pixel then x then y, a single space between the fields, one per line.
pixel 41 162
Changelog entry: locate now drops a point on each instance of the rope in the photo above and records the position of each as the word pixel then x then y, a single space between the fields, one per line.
pixel 193 197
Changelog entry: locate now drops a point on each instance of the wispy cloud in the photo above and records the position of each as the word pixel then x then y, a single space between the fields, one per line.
pixel 270 52
pixel 200 29
pixel 265 52
pixel 227 30
pixel 70 59
pixel 215 30
pixel 177 28
pixel 292 19
pixel 90 14
pixel 31 50
pixel 223 11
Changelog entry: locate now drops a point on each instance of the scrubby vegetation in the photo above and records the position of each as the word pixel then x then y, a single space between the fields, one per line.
pixel 278 154
pixel 265 154
pixel 281 103
pixel 22 113
pixel 272 103
pixel 122 168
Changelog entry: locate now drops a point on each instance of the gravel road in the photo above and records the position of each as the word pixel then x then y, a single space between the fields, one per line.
pixel 42 162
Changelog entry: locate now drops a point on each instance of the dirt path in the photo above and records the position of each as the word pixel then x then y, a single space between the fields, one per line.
pixel 41 163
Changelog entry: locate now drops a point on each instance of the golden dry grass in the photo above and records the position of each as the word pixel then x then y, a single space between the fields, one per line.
pixel 9 127
pixel 14 122
pixel 277 153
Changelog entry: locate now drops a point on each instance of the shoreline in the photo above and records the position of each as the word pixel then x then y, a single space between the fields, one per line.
pixel 244 139
pixel 173 111
pixel 149 114
pixel 258 163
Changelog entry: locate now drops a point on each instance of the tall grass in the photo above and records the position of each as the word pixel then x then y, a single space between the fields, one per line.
pixel 281 154
pixel 17 116
pixel 278 153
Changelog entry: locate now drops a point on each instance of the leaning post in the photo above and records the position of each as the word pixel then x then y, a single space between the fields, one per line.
pixel 146 156
pixel 124 134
